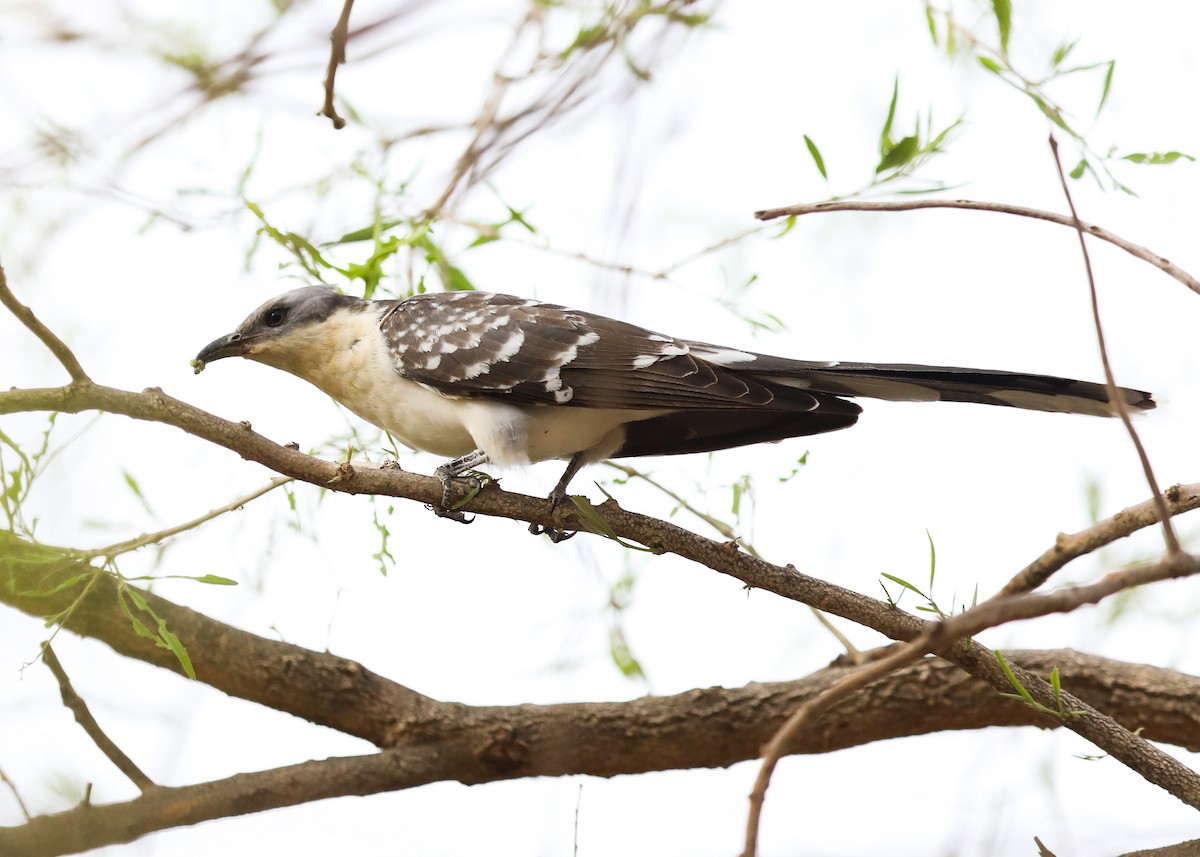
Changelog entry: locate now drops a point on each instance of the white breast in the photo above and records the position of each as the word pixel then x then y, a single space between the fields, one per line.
pixel 346 357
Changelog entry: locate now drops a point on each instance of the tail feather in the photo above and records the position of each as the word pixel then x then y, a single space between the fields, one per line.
pixel 908 383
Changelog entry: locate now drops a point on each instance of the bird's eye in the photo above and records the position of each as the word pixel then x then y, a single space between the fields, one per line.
pixel 275 317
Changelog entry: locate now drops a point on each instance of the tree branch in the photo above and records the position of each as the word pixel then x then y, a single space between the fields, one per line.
pixel 83 717
pixel 1143 253
pixel 1180 498
pixel 1164 516
pixel 337 55
pixel 715 727
pixel 25 315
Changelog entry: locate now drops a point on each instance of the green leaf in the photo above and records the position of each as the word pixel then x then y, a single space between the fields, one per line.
pixel 623 656
pixel 902 582
pixel 1063 51
pixel 1022 693
pixel 171 642
pixel 592 521
pixel 885 137
pixel 1052 113
pixel 932 560
pixel 899 155
pixel 816 156
pixel 991 65
pixel 1156 157
pixel 1077 170
pixel 215 579
pixel 1108 76
pixel 1003 12
pixel 455 280
pixel 137 491
pixel 367 233
pixel 932 24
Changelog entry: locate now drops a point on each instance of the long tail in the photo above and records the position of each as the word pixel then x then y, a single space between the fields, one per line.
pixel 908 383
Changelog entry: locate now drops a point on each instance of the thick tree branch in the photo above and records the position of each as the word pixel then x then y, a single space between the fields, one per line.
pixel 1143 253
pixel 701 728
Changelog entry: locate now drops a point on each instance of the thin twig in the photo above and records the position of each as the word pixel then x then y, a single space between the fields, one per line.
pixel 25 315
pixel 337 56
pixel 1143 253
pixel 852 651
pixel 16 795
pixel 1164 514
pixel 1181 498
pixel 83 717
pixel 939 637
pixel 777 747
pixel 153 538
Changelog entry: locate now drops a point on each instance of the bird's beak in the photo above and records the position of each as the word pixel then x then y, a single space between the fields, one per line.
pixel 230 345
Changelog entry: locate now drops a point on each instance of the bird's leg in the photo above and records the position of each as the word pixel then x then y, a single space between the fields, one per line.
pixel 557 496
pixel 450 471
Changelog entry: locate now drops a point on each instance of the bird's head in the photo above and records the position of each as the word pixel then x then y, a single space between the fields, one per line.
pixel 285 332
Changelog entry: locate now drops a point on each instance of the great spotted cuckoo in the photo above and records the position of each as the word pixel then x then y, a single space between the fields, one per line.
pixel 480 378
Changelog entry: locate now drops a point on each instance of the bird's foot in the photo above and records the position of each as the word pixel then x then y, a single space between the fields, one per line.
pixel 553 533
pixel 474 482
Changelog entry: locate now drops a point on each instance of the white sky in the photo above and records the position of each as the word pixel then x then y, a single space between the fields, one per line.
pixel 489 615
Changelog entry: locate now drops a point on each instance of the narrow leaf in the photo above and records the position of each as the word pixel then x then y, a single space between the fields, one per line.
pixel 1108 76
pixel 1064 50
pixel 1012 679
pixel 902 582
pixel 899 155
pixel 991 65
pixel 1156 157
pixel 816 156
pixel 885 138
pixel 932 559
pixel 1003 11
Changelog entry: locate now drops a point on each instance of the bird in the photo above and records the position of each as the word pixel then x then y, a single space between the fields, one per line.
pixel 479 377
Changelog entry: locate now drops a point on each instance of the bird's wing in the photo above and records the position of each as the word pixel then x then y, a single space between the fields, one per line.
pixel 527 352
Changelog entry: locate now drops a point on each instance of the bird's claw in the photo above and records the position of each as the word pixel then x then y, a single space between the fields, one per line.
pixel 452 515
pixel 448 509
pixel 553 533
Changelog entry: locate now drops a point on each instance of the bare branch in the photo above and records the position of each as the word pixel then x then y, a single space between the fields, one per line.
pixel 1163 769
pixel 700 728
pixel 16 795
pixel 1180 499
pixel 1164 515
pixel 337 56
pixel 1143 253
pixel 83 717
pixel 25 315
